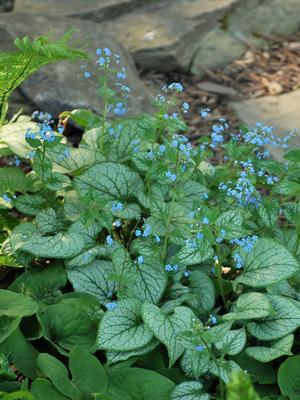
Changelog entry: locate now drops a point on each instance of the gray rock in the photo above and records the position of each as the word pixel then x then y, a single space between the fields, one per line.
pixel 282 112
pixel 60 86
pixel 268 17
pixel 94 10
pixel 165 35
pixel 218 47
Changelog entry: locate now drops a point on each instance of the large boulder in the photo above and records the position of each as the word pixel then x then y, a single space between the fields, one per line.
pixel 60 86
pixel 94 10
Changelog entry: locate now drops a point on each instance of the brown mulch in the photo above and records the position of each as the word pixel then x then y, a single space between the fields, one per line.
pixel 269 71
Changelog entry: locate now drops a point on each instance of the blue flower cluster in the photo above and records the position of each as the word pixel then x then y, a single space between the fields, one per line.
pixel 117 207
pixel 246 244
pixel 170 267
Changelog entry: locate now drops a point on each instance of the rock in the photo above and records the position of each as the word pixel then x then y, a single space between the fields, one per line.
pixel 282 112
pixel 268 17
pixel 218 47
pixel 94 10
pixel 58 87
pixel 212 87
pixel 165 35
pixel 6 5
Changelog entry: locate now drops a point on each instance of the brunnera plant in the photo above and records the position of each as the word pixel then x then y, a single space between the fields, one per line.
pixel 183 273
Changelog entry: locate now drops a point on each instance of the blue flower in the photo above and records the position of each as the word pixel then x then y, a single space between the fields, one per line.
pixel 147 230
pixel 121 74
pixel 87 74
pixel 200 347
pixel 138 233
pixel 187 273
pixel 109 240
pixel 17 161
pixel 205 221
pixel 185 107
pixel 157 238
pixel 168 267
pixel 117 223
pixel 120 109
pixel 170 176
pixel 204 112
pixel 117 207
pixel 199 235
pixel 239 264
pixel 107 51
pixel 213 319
pixel 111 306
pixel 6 198
pixel 162 148
pixel 140 260
pixel 176 86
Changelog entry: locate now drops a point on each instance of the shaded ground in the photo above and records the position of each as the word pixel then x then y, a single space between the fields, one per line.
pixel 272 70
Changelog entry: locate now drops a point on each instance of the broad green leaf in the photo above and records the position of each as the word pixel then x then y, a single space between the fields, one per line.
pixel 77 159
pixel 284 320
pixel 195 363
pixel 94 279
pixel 189 391
pixel 29 204
pixel 117 356
pixel 87 372
pixel 7 326
pixel 141 384
pixel 68 325
pixel 269 212
pixel 41 284
pixel 112 181
pixel 203 289
pixel 122 329
pixel 42 389
pixel 268 262
pixel 58 374
pixel 13 135
pixel 289 377
pixel 278 349
pixel 21 353
pixel 233 342
pixel 224 369
pixel 13 179
pixel 189 192
pixel 46 221
pixel 189 255
pixel 150 281
pixel 232 223
pixel 167 328
pixel 16 304
pixel 287 188
pixel 250 306
pixel 61 245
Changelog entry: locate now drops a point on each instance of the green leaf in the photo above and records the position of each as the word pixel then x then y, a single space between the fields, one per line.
pixel 189 192
pixel 284 320
pixel 278 349
pixel 7 326
pixel 16 304
pixel 13 135
pixel 203 289
pixel 94 279
pixel 288 377
pixel 117 356
pixel 233 342
pixel 232 223
pixel 188 255
pixel 189 391
pixel 42 389
pixel 240 387
pixel 69 324
pixel 112 181
pixel 58 374
pixel 21 353
pixel 122 329
pixel 195 363
pixel 46 221
pixel 250 306
pixel 13 179
pixel 268 262
pixel 41 284
pixel 61 245
pixel 224 369
pixel 287 188
pixel 87 372
pixel 150 281
pixel 268 211
pixel 167 328
pixel 29 204
pixel 141 384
